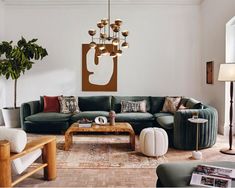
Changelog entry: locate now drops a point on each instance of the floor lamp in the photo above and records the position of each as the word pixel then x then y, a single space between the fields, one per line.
pixel 227 74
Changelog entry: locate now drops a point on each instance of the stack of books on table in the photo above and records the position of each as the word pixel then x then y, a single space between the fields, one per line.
pixel 85 123
pixel 212 176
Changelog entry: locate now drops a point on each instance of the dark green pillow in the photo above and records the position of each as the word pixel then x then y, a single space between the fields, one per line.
pixel 193 104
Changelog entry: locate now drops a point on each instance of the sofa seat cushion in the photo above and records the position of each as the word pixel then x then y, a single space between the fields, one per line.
pixel 49 117
pixel 91 115
pixel 166 121
pixel 161 114
pixel 134 116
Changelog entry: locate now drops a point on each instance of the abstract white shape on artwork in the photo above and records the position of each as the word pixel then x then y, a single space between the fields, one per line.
pixel 103 71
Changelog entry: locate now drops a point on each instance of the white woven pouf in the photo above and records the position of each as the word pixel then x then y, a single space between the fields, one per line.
pixel 153 142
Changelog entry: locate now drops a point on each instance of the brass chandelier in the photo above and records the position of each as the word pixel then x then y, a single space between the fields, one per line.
pixel 109 33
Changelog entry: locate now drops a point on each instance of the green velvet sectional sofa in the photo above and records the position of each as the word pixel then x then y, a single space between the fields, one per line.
pixel 181 133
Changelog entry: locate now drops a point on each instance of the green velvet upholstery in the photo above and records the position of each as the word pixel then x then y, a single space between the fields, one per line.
pixel 46 127
pixel 48 117
pixel 41 103
pixel 179 174
pixel 161 114
pixel 95 103
pixel 184 132
pixel 132 117
pixel 157 104
pixel 138 126
pixel 181 132
pixel 116 102
pixel 166 121
pixel 28 109
pixel 91 115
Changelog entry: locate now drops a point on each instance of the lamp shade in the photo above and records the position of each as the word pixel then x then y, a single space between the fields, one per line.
pixel 227 72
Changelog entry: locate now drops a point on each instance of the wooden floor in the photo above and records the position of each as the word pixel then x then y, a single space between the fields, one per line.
pixel 123 177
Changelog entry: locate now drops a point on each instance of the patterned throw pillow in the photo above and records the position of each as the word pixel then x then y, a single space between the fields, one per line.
pixel 133 106
pixel 68 104
pixel 182 107
pixel 171 104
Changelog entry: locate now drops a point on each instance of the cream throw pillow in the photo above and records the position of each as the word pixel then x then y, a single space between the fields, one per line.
pixel 171 104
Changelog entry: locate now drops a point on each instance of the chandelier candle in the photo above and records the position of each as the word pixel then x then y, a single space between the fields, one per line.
pixel 109 33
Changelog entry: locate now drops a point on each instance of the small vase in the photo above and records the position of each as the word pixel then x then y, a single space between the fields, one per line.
pixel 112 115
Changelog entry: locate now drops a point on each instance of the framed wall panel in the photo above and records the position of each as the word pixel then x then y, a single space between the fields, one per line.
pixel 210 72
pixel 98 73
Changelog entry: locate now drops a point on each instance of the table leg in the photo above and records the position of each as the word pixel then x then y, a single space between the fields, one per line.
pixel 5 164
pixel 197 139
pixel 49 157
pixel 132 140
pixel 68 140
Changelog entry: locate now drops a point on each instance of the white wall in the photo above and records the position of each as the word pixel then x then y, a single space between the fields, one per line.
pixel 2 96
pixel 163 58
pixel 1 19
pixel 215 15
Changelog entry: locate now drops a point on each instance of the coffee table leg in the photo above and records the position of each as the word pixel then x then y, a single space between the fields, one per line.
pixel 132 140
pixel 68 141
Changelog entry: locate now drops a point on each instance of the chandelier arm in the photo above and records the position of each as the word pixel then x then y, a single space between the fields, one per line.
pixel 119 43
pixel 109 21
pixel 121 39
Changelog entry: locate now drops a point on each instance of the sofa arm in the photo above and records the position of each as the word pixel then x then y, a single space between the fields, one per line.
pixel 28 109
pixel 184 132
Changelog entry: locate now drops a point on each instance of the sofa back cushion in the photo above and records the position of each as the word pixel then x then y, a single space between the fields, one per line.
pixel 41 103
pixel 95 103
pixel 116 101
pixel 157 104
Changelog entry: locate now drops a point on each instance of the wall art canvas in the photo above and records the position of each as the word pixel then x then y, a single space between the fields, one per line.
pixel 98 73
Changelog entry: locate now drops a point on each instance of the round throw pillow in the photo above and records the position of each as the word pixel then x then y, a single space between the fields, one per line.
pixel 16 137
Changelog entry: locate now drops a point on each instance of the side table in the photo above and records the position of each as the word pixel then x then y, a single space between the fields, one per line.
pixel 197 121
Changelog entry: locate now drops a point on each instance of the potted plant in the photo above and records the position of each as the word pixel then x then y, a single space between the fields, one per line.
pixel 14 61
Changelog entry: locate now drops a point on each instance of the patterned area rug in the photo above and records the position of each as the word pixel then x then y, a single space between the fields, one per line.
pixel 113 151
pixel 102 151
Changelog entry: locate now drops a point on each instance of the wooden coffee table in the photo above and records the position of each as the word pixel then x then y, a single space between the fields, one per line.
pixel 117 128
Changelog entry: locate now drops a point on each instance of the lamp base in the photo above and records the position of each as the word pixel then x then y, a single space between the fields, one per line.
pixel 228 151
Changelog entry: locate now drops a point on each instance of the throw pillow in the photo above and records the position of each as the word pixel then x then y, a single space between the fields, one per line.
pixel 51 104
pixel 193 104
pixel 182 107
pixel 68 104
pixel 171 104
pixel 133 106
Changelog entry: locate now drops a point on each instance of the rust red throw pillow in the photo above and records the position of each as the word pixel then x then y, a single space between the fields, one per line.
pixel 51 104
